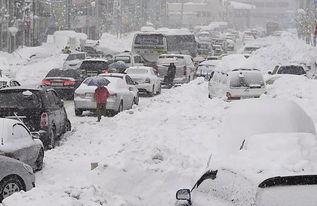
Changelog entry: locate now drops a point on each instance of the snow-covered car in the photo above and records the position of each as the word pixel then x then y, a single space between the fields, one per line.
pixel 249 49
pixel 6 82
pixel 17 142
pixel 287 71
pixel 93 67
pixel 185 68
pixel 121 97
pixel 206 68
pixel 237 84
pixel 74 60
pixel 15 176
pixel 129 59
pixel 129 81
pixel 231 44
pixel 268 158
pixel 145 79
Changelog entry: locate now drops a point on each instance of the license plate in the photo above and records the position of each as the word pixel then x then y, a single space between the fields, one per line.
pixel 92 73
pixel 57 84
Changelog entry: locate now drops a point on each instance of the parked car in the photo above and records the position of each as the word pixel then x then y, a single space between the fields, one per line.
pixel 19 143
pixel 249 49
pixel 146 80
pixel 74 60
pixel 41 110
pixel 93 67
pixel 263 163
pixel 129 81
pixel 294 69
pixel 7 82
pixel 129 59
pixel 205 68
pixel 237 84
pixel 122 98
pixel 64 82
pixel 185 68
pixel 15 176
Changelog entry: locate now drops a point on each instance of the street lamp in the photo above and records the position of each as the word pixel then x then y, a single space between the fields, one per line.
pixel 13 31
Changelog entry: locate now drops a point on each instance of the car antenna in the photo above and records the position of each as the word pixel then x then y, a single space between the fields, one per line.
pixel 18 118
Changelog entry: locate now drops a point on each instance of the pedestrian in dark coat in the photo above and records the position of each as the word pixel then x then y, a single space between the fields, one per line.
pixel 171 72
pixel 101 95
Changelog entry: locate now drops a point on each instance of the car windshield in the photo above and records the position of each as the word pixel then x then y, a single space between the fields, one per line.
pixel 296 195
pixel 75 56
pixel 125 59
pixel 246 79
pixel 137 71
pixel 63 73
pixel 19 99
pixel 297 70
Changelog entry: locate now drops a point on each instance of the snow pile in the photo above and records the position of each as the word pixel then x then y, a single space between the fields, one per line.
pixel 231 62
pixel 116 44
pixel 284 50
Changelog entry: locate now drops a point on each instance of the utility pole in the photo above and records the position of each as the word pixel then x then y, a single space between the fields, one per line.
pixel 182 12
pixel 98 19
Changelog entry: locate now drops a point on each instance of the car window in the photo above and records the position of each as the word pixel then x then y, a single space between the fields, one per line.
pixel 297 70
pixel 246 79
pixel 137 59
pixel 129 80
pixel 52 99
pixel 19 132
pixel 19 99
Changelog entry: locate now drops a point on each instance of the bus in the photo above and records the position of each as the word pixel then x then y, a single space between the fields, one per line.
pixel 150 45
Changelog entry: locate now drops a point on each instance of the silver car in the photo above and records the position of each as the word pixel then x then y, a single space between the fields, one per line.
pixel 122 98
pixel 17 142
pixel 14 177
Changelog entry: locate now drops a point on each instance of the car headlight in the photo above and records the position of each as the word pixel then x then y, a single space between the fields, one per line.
pixel 28 168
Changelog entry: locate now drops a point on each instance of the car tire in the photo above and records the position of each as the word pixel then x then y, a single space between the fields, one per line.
pixel 152 93
pixel 121 107
pixel 136 100
pixel 209 96
pixel 39 160
pixel 78 112
pixel 159 91
pixel 52 139
pixel 10 185
pixel 67 126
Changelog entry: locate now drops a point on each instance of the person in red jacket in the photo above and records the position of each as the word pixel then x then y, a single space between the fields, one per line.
pixel 101 95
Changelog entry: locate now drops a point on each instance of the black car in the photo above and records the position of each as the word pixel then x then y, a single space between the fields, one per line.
pixel 41 110
pixel 64 82
pixel 93 67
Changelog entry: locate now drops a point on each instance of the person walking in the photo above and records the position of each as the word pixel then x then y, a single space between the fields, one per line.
pixel 101 95
pixel 171 72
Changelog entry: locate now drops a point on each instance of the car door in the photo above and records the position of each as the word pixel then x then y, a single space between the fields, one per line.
pixel 53 112
pixel 26 149
pixel 131 85
pixel 127 95
pixel 61 112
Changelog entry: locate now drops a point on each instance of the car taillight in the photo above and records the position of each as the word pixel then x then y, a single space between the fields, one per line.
pixel 46 82
pixel 185 71
pixel 3 154
pixel 229 96
pixel 105 71
pixel 147 80
pixel 69 83
pixel 44 120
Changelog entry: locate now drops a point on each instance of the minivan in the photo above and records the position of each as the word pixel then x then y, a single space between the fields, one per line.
pixel 185 68
pixel 237 84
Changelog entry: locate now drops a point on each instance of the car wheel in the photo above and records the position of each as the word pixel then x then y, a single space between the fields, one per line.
pixel 52 138
pixel 136 100
pixel 152 93
pixel 78 112
pixel 39 160
pixel 67 126
pixel 10 185
pixel 120 107
pixel 159 90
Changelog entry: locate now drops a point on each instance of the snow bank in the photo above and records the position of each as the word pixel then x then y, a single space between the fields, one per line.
pixel 115 43
pixel 284 50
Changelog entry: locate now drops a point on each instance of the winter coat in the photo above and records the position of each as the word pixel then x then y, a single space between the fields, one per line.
pixel 101 95
pixel 171 71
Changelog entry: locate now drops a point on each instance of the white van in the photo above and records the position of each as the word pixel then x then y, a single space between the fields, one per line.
pixel 129 59
pixel 185 68
pixel 237 84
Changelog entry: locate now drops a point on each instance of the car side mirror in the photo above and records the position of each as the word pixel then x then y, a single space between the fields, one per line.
pixel 184 194
pixel 270 73
pixel 35 135
pixel 135 83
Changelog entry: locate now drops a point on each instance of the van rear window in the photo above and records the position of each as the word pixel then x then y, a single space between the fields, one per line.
pixel 19 99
